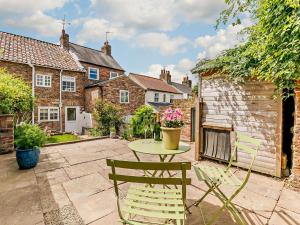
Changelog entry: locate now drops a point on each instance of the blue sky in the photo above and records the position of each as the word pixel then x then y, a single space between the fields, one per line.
pixel 146 34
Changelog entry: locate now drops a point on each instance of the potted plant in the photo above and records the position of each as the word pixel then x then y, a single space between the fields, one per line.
pixel 28 139
pixel 171 128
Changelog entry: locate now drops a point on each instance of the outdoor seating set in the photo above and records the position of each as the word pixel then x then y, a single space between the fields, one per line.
pixel 159 193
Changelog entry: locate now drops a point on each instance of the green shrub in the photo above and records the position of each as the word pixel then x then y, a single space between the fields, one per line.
pixel 143 117
pixel 29 136
pixel 15 95
pixel 95 132
pixel 107 115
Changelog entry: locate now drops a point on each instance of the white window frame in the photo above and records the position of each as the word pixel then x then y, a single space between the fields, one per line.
pixel 70 79
pixel 164 98
pixel 156 93
pixel 110 77
pixel 43 81
pixel 48 108
pixel 124 91
pixel 97 73
pixel 171 98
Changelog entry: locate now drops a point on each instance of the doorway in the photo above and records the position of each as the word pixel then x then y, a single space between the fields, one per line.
pixel 288 111
pixel 72 118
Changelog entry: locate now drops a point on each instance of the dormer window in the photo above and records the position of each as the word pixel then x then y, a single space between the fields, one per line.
pixel 113 75
pixel 93 73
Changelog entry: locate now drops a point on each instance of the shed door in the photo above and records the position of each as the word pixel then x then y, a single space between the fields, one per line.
pixel 72 115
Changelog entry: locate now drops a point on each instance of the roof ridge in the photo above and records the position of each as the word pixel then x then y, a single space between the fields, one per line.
pixel 143 75
pixel 86 47
pixel 35 39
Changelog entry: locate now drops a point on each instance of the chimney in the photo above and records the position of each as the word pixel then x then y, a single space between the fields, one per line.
pixel 106 48
pixel 64 40
pixel 186 81
pixel 165 75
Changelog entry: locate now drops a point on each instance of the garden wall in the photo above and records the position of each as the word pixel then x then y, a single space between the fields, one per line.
pixel 185 105
pixel 295 178
pixel 6 134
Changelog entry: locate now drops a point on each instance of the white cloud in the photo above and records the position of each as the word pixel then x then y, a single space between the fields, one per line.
pixel 31 15
pixel 156 14
pixel 95 29
pixel 223 39
pixel 177 71
pixel 29 6
pixel 166 45
pixel 38 22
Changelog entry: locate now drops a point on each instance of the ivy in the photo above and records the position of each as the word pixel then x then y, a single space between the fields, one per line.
pixel 272 50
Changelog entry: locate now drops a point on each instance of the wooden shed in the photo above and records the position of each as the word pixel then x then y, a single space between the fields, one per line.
pixel 252 108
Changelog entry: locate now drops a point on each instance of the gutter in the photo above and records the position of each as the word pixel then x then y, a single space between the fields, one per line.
pixel 32 87
pixel 60 100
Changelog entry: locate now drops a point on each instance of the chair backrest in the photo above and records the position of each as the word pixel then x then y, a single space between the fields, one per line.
pixel 146 166
pixel 245 144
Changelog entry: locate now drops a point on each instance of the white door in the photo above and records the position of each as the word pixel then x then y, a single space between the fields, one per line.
pixel 72 115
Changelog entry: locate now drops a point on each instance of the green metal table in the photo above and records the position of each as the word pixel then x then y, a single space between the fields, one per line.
pixel 151 147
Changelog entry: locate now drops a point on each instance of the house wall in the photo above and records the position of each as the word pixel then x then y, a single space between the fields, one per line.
pixel 149 96
pixel 49 96
pixel 6 133
pixel 110 91
pixel 104 72
pixel 248 108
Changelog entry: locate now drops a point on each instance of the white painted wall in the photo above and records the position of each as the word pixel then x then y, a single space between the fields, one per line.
pixel 149 96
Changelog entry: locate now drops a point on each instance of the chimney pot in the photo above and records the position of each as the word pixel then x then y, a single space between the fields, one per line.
pixel 106 48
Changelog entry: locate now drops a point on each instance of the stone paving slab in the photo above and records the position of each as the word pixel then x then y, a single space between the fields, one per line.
pixel 70 185
pixel 21 206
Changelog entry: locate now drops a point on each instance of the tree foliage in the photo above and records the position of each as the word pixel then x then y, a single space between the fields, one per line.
pixel 107 115
pixel 15 95
pixel 143 117
pixel 272 50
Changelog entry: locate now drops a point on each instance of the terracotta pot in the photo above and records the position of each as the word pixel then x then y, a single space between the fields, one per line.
pixel 171 137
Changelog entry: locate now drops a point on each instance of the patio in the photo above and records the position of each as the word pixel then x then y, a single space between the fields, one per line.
pixel 70 186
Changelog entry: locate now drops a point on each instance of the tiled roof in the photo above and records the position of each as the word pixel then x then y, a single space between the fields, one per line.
pixel 20 49
pixel 94 56
pixel 183 88
pixel 151 83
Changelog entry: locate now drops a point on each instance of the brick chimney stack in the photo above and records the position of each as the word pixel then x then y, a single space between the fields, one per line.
pixel 165 75
pixel 64 40
pixel 106 48
pixel 186 81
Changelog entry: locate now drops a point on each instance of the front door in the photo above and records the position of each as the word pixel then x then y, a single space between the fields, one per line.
pixel 72 118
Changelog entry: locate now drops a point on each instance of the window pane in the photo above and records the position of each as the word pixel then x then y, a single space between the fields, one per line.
pixel 156 97
pixel 71 114
pixel 124 96
pixel 68 84
pixel 113 74
pixel 43 114
pixel 53 114
pixel 39 80
pixel 93 73
pixel 47 81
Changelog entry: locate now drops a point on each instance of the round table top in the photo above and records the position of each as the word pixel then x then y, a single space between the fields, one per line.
pixel 149 146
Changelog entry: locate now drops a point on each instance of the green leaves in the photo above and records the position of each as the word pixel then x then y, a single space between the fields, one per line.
pixel 29 136
pixel 15 94
pixel 143 117
pixel 272 51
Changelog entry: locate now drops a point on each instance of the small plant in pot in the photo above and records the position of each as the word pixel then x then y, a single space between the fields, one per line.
pixel 171 128
pixel 28 140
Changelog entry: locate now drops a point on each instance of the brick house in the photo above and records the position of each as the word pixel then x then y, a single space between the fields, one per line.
pixel 162 92
pixel 62 75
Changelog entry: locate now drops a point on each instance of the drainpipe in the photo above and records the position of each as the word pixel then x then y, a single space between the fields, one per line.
pixel 60 101
pixel 32 87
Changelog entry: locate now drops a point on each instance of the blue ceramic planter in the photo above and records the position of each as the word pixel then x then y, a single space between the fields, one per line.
pixel 27 158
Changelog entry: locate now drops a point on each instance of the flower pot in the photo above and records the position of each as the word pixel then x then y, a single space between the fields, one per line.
pixel 27 158
pixel 171 137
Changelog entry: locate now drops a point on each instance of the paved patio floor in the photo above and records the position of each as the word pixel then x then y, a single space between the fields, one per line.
pixel 70 186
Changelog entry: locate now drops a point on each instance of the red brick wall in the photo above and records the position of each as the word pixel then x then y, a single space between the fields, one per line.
pixel 50 96
pixel 185 105
pixel 295 177
pixel 110 92
pixel 104 72
pixel 6 134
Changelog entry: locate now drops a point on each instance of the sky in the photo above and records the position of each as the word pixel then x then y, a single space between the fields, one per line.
pixel 146 35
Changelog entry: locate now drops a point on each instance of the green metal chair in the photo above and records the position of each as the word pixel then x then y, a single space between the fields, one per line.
pixel 146 204
pixel 216 176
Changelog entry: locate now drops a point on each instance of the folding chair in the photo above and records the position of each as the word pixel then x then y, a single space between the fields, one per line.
pixel 216 176
pixel 146 204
